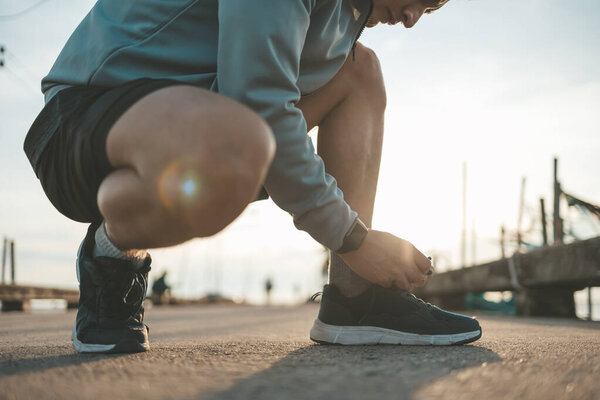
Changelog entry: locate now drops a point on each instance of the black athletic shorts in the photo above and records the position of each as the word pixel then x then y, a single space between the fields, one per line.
pixel 66 145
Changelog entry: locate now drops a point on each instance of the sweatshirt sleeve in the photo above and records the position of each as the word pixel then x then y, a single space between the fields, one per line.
pixel 260 42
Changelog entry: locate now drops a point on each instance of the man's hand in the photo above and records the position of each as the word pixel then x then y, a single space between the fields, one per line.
pixel 387 260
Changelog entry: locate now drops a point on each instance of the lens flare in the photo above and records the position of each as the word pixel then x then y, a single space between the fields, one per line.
pixel 189 187
pixel 178 185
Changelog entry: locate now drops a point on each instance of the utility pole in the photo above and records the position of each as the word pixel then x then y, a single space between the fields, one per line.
pixel 520 217
pixel 502 236
pixel 4 249
pixel 556 220
pixel 473 243
pixel 543 215
pixel 12 261
pixel 463 239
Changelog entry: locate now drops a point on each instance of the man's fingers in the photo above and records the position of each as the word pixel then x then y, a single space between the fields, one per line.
pixel 415 274
pixel 402 283
pixel 420 283
pixel 428 278
pixel 422 261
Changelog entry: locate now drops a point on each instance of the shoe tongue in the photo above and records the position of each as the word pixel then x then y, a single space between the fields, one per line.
pixel 394 300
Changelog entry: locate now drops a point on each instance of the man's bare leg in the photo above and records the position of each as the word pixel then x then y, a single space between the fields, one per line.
pixel 349 112
pixel 188 162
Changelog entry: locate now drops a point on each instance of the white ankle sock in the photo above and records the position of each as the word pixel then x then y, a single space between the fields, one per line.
pixel 105 248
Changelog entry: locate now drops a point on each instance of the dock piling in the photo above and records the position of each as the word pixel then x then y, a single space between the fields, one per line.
pixel 589 293
pixel 546 302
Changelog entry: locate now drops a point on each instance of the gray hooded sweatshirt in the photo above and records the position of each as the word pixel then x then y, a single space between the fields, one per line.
pixel 265 54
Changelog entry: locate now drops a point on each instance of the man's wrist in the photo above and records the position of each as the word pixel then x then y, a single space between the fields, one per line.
pixel 354 237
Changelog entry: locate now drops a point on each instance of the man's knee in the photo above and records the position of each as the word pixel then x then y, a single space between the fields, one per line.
pixel 364 70
pixel 195 160
pixel 210 191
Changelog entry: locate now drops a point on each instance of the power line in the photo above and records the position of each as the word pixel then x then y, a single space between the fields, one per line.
pixel 23 69
pixel 24 11
pixel 21 80
pixel 21 65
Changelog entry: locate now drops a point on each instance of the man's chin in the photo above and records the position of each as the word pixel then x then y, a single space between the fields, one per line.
pixel 370 23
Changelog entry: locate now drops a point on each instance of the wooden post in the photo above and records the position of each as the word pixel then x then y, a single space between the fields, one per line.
pixel 589 302
pixel 543 212
pixel 556 221
pixel 4 245
pixel 12 261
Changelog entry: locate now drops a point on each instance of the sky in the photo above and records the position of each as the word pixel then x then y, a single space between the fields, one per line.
pixel 500 87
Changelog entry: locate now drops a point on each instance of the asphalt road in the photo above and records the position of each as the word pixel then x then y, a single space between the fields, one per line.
pixel 241 352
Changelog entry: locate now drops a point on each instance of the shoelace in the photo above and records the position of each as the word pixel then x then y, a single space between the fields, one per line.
pixel 142 285
pixel 127 298
pixel 412 298
pixel 406 294
pixel 314 296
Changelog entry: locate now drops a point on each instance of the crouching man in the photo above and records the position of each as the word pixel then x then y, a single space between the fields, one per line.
pixel 164 120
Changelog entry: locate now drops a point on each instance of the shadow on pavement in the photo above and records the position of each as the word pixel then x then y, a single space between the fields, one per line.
pixel 33 364
pixel 356 372
pixel 541 321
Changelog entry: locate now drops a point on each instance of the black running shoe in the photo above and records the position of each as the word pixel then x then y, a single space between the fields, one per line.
pixel 111 309
pixel 388 316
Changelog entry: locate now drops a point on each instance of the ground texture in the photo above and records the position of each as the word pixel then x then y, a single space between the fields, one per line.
pixel 242 352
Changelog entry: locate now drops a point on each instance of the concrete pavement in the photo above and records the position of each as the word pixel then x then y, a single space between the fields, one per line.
pixel 243 352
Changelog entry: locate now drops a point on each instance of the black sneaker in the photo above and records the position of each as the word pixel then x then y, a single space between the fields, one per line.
pixel 111 309
pixel 388 316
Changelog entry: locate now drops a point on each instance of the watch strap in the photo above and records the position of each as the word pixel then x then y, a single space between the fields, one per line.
pixel 355 236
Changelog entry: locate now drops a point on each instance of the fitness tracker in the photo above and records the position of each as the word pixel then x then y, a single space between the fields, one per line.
pixel 355 236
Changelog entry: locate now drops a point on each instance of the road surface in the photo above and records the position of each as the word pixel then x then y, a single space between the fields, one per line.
pixel 243 352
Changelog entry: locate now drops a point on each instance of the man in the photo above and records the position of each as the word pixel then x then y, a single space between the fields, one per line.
pixel 160 290
pixel 163 120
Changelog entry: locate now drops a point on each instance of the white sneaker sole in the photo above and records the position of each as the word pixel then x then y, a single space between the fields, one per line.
pixel 90 348
pixel 361 335
pixel 123 347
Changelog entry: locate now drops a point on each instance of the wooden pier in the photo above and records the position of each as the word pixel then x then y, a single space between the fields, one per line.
pixel 17 297
pixel 543 280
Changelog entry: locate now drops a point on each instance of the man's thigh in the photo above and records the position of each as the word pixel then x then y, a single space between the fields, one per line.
pixel 179 122
pixel 70 136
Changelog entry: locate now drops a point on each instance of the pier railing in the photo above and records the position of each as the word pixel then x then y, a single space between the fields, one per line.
pixel 17 297
pixel 543 280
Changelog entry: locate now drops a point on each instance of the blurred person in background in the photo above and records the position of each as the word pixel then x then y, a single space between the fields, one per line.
pixel 160 290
